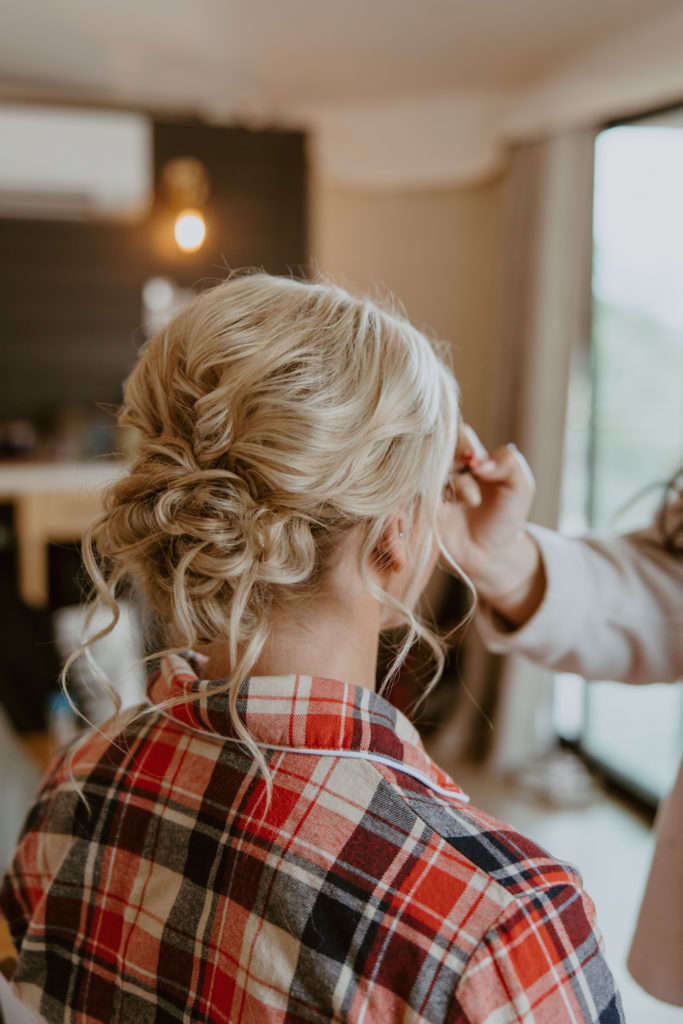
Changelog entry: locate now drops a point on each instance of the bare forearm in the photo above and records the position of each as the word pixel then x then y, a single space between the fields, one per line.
pixel 513 582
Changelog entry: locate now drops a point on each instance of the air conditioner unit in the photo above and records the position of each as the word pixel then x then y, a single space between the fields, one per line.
pixel 74 164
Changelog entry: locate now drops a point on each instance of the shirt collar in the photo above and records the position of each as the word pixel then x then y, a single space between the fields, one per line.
pixel 302 713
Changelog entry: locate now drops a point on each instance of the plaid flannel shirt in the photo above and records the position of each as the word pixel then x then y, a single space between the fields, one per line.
pixel 367 891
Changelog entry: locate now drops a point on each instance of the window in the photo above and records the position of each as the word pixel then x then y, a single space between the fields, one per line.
pixel 625 419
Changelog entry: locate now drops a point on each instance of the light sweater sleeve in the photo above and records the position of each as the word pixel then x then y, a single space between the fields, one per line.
pixel 612 609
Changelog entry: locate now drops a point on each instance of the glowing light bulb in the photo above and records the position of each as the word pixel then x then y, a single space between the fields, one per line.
pixel 190 230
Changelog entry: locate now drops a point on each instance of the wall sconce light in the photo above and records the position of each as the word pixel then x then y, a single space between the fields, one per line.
pixel 189 230
pixel 185 184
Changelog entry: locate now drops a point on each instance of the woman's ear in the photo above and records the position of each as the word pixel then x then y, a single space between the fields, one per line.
pixel 389 554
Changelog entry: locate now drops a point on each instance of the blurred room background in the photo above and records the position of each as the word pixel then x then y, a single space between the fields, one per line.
pixel 511 171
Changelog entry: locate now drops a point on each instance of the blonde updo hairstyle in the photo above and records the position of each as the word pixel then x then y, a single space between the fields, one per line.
pixel 273 416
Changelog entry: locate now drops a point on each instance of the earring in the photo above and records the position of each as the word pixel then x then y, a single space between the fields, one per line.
pixel 401 534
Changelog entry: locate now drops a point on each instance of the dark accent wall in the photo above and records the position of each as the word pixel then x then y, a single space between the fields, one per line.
pixel 70 292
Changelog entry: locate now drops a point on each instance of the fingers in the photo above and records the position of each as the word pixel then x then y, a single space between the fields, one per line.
pixel 468 446
pixel 506 465
pixel 469 451
pixel 465 488
pixel 474 467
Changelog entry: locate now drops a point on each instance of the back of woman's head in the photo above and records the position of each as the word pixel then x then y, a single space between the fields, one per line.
pixel 273 416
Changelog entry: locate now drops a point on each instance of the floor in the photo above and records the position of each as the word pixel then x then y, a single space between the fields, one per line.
pixel 609 843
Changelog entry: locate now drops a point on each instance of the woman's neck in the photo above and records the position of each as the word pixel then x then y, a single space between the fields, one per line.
pixel 334 635
pixel 333 644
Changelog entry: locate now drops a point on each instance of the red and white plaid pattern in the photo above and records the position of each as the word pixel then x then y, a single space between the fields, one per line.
pixel 368 891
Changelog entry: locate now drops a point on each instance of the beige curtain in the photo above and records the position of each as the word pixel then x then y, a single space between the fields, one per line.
pixel 544 318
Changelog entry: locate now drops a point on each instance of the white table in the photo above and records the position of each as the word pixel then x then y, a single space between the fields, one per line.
pixel 53 502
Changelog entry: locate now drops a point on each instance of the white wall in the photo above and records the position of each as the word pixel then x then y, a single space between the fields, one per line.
pixel 437 250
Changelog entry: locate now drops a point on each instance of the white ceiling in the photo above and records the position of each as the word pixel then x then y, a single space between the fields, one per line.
pixel 228 59
pixel 393 93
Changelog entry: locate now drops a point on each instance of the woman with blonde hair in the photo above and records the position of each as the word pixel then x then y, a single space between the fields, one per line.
pixel 267 840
